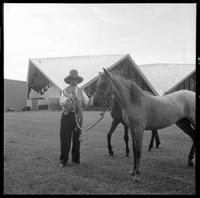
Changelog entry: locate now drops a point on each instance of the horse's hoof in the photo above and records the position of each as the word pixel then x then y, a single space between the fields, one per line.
pixel 132 173
pixel 111 153
pixel 62 164
pixel 190 164
pixel 136 178
pixel 157 146
pixel 127 154
pixel 149 149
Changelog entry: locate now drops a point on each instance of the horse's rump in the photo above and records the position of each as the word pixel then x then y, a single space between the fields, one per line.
pixel 163 111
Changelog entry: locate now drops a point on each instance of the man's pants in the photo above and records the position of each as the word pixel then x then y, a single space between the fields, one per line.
pixel 67 128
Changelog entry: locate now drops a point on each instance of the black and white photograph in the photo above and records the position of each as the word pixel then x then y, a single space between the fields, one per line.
pixel 99 98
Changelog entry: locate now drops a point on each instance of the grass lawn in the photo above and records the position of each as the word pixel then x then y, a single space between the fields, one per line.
pixel 31 159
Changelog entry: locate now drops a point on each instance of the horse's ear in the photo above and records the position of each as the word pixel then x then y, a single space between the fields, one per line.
pixel 101 74
pixel 107 74
pixel 104 70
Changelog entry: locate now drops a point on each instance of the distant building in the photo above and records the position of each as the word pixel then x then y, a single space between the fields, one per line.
pixel 46 76
pixel 15 95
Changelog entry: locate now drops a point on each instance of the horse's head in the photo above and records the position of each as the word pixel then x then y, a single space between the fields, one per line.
pixel 104 89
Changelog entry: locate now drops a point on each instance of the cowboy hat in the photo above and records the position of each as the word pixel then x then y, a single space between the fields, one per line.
pixel 73 75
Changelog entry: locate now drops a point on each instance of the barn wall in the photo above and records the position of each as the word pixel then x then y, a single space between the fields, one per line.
pixel 15 94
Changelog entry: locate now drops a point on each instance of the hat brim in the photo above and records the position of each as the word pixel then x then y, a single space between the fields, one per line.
pixel 69 78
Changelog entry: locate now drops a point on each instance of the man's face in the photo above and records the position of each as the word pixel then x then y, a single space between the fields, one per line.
pixel 73 82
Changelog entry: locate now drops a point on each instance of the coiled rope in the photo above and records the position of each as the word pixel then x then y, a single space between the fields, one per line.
pixel 75 103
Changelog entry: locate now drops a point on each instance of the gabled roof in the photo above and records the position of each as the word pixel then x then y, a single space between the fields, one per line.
pixel 160 77
pixel 133 65
pixel 115 64
pixel 95 77
pixel 190 74
pixel 163 77
pixel 56 69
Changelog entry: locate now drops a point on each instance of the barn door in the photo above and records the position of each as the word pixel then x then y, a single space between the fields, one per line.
pixel 34 104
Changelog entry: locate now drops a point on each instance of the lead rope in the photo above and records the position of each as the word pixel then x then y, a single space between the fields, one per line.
pixel 76 118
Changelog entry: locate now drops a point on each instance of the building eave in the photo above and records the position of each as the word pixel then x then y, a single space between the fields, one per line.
pixel 30 61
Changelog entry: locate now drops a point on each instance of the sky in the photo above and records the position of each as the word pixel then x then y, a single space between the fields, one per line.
pixel 150 33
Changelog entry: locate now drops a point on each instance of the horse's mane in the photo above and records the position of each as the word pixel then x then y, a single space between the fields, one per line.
pixel 135 92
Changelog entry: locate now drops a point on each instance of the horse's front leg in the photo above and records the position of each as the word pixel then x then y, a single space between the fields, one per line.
pixel 134 152
pixel 126 139
pixel 112 129
pixel 137 138
pixel 154 134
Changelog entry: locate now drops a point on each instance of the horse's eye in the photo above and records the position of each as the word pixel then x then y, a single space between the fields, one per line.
pixel 103 85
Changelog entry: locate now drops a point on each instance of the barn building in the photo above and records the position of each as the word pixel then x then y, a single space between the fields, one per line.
pixel 46 76
pixel 15 94
pixel 159 78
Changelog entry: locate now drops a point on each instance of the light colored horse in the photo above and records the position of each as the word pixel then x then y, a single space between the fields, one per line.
pixel 142 111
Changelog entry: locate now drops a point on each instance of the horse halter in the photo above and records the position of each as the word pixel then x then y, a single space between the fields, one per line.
pixel 106 96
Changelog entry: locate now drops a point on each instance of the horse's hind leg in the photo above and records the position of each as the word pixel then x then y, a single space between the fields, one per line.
pixel 126 139
pixel 185 125
pixel 112 129
pixel 154 134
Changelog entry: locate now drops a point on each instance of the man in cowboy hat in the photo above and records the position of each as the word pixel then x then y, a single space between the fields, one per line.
pixel 68 125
